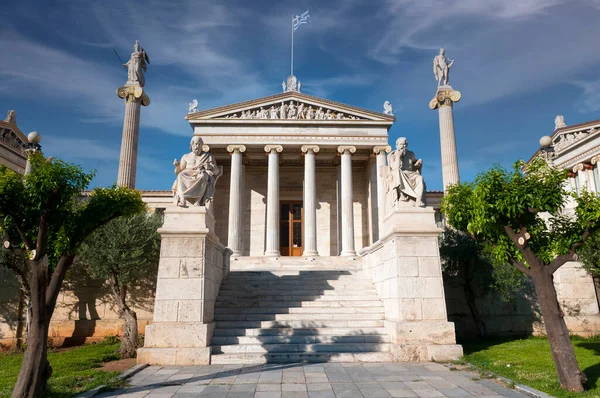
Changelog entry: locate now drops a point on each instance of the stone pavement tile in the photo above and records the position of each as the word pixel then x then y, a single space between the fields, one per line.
pixel 268 387
pixel 372 390
pixel 321 394
pixel 268 394
pixel 441 384
pixel 165 389
pixel 338 375
pixel 346 390
pixel 247 378
pixel 436 367
pixel 134 394
pixel 428 393
pixel 215 391
pixel 402 393
pixel 293 387
pixel 180 376
pixel 419 385
pixel 246 394
pixel 270 377
pixel 188 388
pixel 393 385
pixel 454 392
pixel 158 395
pixel 237 388
pixel 186 395
pixel 360 375
pixel 167 371
pixel 293 376
pixel 481 391
pixel 409 376
pixel 294 394
pixel 316 379
pixel 395 367
pixel 319 387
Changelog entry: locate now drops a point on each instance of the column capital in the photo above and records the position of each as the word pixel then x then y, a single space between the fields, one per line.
pixel 382 148
pixel 445 96
pixel 205 148
pixel 236 148
pixel 343 148
pixel 595 159
pixel 133 93
pixel 271 148
pixel 314 148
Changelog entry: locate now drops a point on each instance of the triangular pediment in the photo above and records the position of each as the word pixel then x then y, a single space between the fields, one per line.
pixel 291 106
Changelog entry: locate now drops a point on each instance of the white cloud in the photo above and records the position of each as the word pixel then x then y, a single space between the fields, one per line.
pixel 590 97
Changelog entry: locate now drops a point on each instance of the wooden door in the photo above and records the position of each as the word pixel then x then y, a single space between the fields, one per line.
pixel 291 228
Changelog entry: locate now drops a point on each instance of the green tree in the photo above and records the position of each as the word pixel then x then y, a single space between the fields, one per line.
pixel 44 219
pixel 124 252
pixel 503 208
pixel 467 263
pixel 589 255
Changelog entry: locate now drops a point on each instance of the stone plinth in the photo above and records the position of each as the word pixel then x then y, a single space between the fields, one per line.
pixel 406 271
pixel 193 263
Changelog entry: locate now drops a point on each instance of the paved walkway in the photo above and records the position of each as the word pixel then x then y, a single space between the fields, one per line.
pixel 312 381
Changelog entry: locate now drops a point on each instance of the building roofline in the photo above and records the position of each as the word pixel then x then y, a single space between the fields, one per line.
pixel 225 108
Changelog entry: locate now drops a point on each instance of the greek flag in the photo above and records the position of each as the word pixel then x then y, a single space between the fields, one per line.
pixel 300 19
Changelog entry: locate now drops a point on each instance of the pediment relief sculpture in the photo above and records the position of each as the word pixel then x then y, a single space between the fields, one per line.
pixel 565 140
pixel 11 139
pixel 291 110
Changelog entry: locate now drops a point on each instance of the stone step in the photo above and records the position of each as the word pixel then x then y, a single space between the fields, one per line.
pixel 282 297
pixel 310 357
pixel 288 332
pixel 300 292
pixel 295 274
pixel 300 317
pixel 300 310
pixel 299 339
pixel 300 324
pixel 333 347
pixel 257 304
pixel 237 286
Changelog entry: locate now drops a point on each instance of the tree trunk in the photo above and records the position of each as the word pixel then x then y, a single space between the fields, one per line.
pixel 571 378
pixel 20 323
pixel 129 342
pixel 470 297
pixel 596 280
pixel 36 369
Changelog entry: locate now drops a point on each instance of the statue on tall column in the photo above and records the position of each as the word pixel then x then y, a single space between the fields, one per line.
pixel 403 176
pixel 197 174
pixel 441 68
pixel 136 66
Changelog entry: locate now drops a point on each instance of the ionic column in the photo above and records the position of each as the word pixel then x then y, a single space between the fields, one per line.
pixel 272 244
pixel 380 152
pixel 310 200
pixel 445 98
pixel 134 97
pixel 234 234
pixel 347 201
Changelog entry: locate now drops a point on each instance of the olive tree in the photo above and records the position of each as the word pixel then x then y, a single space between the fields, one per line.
pixel 125 253
pixel 45 220
pixel 520 215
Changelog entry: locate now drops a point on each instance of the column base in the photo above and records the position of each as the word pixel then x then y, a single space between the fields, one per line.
pixel 272 253
pixel 310 253
pixel 348 253
pixel 236 254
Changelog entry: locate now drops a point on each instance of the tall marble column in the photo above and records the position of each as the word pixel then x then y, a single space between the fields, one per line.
pixel 381 153
pixel 444 99
pixel 234 234
pixel 272 244
pixel 310 200
pixel 347 201
pixel 135 97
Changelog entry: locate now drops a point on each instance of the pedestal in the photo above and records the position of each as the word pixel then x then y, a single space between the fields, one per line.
pixel 193 263
pixel 405 267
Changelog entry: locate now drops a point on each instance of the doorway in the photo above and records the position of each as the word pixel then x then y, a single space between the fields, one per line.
pixel 291 227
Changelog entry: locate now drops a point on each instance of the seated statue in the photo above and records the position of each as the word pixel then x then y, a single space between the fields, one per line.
pixel 403 176
pixel 197 173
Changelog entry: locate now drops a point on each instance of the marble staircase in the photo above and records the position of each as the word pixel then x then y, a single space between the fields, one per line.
pixel 275 314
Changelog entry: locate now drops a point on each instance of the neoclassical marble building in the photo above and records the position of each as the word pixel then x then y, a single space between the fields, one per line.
pixel 297 182
pixel 12 144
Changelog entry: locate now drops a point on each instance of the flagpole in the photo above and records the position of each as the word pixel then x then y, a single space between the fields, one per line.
pixel 292 67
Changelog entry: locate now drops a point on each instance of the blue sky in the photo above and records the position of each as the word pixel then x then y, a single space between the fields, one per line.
pixel 518 64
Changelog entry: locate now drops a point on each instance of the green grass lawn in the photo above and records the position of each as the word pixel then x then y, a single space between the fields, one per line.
pixel 74 371
pixel 528 361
